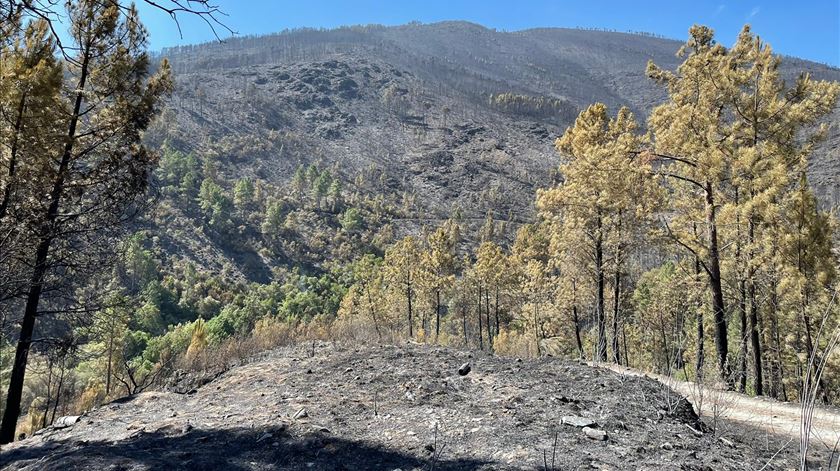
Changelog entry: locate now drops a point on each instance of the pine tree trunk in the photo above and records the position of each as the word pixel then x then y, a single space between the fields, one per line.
pixel 777 387
pixel 27 327
pixel 18 128
pixel 464 318
pixel 742 317
pixel 740 268
pixel 665 362
pixel 58 391
pixel 480 325
pixel 624 341
pixel 489 323
pixel 437 314
pixel 758 378
pixel 410 320
pixel 576 319
pixel 496 309
pixel 701 355
pixel 49 394
pixel 616 305
pixel 577 331
pixel 110 361
pixel 718 304
pixel 536 329
pixel 601 348
pixel 372 310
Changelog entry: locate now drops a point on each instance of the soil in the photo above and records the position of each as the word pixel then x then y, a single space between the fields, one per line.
pixel 333 407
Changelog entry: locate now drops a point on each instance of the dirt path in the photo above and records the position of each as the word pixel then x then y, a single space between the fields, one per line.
pixel 781 418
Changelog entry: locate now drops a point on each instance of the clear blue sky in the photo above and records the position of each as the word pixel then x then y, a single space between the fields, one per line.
pixel 805 28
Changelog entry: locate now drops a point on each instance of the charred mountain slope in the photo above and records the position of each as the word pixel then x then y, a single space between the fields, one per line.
pixel 416 99
pixel 447 118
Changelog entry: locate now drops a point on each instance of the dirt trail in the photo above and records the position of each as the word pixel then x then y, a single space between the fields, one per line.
pixel 781 418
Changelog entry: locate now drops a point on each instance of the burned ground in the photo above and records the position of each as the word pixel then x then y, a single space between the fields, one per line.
pixel 402 407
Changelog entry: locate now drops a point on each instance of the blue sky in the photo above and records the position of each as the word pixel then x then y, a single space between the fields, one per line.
pixel 804 28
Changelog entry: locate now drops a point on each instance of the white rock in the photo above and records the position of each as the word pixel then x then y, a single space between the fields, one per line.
pixel 66 421
pixel 577 421
pixel 595 434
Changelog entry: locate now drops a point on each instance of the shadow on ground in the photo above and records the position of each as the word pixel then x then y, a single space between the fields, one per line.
pixel 226 449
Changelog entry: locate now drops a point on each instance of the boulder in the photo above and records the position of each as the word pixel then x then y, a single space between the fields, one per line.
pixel 576 421
pixel 595 434
pixel 66 421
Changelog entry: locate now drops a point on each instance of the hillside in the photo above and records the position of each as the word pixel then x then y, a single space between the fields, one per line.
pixel 372 182
pixel 406 112
pixel 329 407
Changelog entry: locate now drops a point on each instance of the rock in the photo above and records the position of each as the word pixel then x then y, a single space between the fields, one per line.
pixel 465 369
pixel 66 421
pixel 694 431
pixel 301 414
pixel 595 434
pixel 577 421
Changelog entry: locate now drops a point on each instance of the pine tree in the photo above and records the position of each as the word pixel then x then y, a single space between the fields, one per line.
pixel 367 279
pixel 770 145
pixel 603 186
pixel 321 186
pixel 530 263
pixel 30 81
pixel 492 271
pixel 216 205
pixel 299 182
pixel 402 268
pixel 243 193
pixel 31 77
pixel 95 169
pixel 730 128
pixel 808 273
pixel 440 262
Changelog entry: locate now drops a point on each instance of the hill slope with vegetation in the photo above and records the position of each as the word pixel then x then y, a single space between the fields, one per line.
pixel 543 192
pixel 416 124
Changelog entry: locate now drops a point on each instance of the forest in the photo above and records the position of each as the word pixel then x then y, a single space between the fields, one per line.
pixel 689 244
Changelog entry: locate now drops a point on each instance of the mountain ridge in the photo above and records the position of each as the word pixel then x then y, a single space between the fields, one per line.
pixel 446 119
